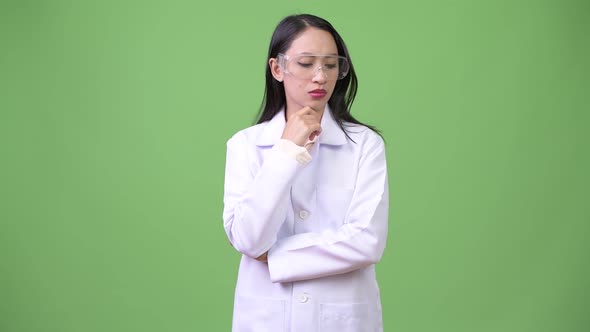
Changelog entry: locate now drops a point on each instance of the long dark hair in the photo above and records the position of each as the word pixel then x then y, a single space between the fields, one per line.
pixel 345 90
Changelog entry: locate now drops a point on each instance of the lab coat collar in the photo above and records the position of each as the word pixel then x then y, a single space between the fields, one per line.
pixel 331 134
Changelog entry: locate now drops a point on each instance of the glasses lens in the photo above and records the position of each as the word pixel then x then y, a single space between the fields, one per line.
pixel 307 66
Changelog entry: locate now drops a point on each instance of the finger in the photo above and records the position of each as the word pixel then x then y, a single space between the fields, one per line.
pixel 311 120
pixel 314 130
pixel 298 114
pixel 306 110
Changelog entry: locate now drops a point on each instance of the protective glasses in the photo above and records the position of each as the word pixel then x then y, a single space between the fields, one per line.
pixel 306 66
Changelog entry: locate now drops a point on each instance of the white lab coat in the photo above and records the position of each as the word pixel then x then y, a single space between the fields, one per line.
pixel 323 224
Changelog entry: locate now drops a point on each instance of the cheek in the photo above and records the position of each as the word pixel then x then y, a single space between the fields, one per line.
pixel 300 86
pixel 294 88
pixel 330 87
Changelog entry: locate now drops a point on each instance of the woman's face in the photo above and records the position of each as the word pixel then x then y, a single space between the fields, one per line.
pixel 317 90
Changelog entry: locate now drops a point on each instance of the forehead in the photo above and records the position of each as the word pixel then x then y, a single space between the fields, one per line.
pixel 313 40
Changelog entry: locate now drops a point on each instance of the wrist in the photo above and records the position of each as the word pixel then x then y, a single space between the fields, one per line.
pixel 299 153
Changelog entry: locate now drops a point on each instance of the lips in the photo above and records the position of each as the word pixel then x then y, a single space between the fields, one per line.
pixel 318 93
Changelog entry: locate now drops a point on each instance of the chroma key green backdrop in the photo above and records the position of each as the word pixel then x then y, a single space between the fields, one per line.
pixel 114 118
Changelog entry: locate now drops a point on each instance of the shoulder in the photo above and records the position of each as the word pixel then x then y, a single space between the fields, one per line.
pixel 247 135
pixel 363 135
pixel 369 145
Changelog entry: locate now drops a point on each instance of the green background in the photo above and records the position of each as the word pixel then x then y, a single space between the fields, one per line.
pixel 114 118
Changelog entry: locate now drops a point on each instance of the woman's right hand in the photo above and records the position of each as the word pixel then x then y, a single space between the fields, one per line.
pixel 302 126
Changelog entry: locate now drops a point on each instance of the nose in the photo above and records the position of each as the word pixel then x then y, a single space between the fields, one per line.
pixel 320 75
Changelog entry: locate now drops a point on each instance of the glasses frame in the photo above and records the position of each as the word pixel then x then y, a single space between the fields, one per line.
pixel 284 58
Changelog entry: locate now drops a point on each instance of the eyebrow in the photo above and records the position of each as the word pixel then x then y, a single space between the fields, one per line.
pixel 308 53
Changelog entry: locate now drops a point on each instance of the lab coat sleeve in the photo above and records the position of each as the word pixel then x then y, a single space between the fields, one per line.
pixel 358 243
pixel 255 205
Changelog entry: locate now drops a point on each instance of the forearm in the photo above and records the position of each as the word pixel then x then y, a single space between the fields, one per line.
pixel 255 208
pixel 348 248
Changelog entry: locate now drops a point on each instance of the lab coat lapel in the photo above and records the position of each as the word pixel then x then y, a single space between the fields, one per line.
pixel 272 131
pixel 331 134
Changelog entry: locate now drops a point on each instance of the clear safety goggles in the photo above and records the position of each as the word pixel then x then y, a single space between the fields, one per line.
pixel 306 66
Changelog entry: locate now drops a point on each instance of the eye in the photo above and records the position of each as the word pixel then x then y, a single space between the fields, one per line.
pixel 305 65
pixel 331 65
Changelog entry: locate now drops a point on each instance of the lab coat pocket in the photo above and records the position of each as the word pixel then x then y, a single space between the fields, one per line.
pixel 254 314
pixel 333 203
pixel 344 317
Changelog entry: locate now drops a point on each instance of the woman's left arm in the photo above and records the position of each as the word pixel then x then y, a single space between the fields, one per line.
pixel 358 243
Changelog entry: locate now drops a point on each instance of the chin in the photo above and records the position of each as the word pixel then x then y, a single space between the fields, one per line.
pixel 318 105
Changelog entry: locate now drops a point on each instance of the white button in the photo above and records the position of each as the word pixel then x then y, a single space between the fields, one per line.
pixel 303 214
pixel 303 298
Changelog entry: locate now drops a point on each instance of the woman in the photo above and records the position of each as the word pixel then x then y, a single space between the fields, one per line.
pixel 306 198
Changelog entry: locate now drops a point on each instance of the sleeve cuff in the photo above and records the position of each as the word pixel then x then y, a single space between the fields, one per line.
pixel 299 153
